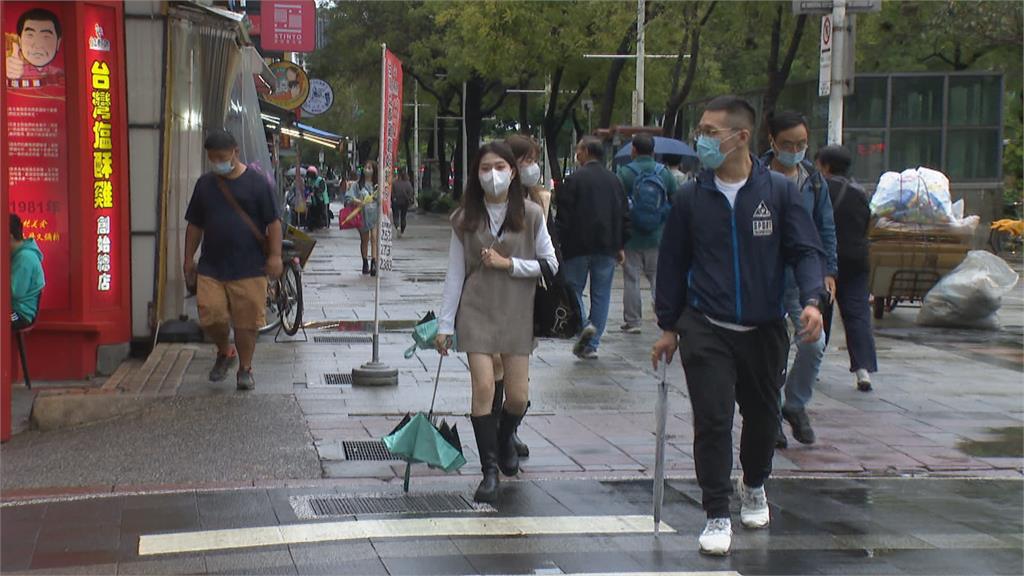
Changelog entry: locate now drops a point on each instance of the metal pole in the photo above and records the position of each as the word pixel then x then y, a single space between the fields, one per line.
pixel 544 142
pixel 416 142
pixel 465 140
pixel 638 96
pixel 835 98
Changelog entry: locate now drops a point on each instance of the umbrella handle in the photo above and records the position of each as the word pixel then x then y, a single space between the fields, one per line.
pixel 437 380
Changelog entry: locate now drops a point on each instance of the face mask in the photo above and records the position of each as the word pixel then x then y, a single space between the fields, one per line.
pixel 529 174
pixel 223 168
pixel 496 182
pixel 790 159
pixel 709 150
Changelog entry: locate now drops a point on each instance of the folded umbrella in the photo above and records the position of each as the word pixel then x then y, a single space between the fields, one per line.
pixel 419 438
pixel 423 334
pixel 661 415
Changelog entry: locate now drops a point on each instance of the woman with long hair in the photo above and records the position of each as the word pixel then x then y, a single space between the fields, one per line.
pixel 366 192
pixel 498 237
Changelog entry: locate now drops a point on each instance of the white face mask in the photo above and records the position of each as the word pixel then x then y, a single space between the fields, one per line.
pixel 496 182
pixel 529 174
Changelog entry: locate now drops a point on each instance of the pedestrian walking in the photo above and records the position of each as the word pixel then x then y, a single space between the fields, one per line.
pixel 233 213
pixel 27 277
pixel 527 152
pixel 788 135
pixel 402 197
pixel 592 224
pixel 365 192
pixel 673 163
pixel 721 273
pixel 852 219
pixel 498 238
pixel 650 186
pixel 319 201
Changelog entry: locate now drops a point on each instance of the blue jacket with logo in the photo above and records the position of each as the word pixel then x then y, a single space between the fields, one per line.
pixel 728 262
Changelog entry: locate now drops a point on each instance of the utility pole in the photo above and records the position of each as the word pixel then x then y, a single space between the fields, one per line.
pixel 465 141
pixel 835 97
pixel 638 94
pixel 415 171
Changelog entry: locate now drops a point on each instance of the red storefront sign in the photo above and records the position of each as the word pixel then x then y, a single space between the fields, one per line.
pixel 35 83
pixel 67 171
pixel 288 25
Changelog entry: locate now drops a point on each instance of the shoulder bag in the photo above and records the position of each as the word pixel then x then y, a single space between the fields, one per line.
pixel 260 237
pixel 556 310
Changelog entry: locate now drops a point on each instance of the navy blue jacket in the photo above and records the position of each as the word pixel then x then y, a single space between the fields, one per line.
pixel 815 196
pixel 728 263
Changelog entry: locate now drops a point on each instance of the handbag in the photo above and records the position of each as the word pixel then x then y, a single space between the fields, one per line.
pixel 351 217
pixel 260 237
pixel 556 310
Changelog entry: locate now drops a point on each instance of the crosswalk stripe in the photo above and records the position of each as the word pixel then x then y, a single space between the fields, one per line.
pixel 234 538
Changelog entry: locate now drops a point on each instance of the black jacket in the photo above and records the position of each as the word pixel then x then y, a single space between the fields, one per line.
pixel 592 217
pixel 852 216
pixel 728 262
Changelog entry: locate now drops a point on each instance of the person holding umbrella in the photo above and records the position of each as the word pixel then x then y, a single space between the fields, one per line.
pixel 721 266
pixel 498 238
pixel 364 192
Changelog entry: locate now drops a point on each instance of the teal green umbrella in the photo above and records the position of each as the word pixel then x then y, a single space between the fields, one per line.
pixel 420 438
pixel 423 335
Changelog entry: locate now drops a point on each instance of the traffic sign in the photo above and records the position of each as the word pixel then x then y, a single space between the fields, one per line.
pixel 825 62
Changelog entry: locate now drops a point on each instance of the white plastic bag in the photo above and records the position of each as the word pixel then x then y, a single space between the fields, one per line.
pixel 970 295
pixel 919 196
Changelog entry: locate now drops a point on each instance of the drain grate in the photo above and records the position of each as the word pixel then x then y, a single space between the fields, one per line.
pixel 373 450
pixel 311 507
pixel 338 378
pixel 346 339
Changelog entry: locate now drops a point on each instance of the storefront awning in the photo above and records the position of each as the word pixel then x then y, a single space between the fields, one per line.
pixel 277 118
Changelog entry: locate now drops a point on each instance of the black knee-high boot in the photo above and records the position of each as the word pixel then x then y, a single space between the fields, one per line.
pixel 508 457
pixel 485 429
pixel 499 399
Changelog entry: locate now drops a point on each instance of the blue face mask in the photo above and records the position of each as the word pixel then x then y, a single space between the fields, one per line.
pixel 709 150
pixel 223 168
pixel 790 159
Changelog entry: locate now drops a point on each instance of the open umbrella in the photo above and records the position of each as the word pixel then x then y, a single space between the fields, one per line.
pixel 420 438
pixel 662 146
pixel 659 450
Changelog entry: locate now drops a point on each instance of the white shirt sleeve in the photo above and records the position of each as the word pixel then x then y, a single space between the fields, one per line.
pixel 453 283
pixel 545 249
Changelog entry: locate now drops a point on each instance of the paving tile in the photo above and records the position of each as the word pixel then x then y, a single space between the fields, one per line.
pixel 272 560
pixel 177 564
pixel 446 565
pixel 67 538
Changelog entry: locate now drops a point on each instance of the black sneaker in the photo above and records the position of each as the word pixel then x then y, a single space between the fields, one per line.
pixel 586 337
pixel 864 386
pixel 781 443
pixel 801 424
pixel 245 381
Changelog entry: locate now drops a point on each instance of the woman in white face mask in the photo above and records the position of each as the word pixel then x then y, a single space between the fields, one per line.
pixel 527 152
pixel 497 239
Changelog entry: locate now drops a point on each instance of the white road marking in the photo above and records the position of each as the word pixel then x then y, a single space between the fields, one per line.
pixel 209 540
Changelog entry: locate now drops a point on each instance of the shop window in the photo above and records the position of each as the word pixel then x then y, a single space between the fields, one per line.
pixel 913 148
pixel 866 107
pixel 868 150
pixel 974 100
pixel 917 101
pixel 973 154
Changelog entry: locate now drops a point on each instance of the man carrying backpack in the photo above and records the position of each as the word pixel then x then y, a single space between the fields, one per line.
pixel 649 187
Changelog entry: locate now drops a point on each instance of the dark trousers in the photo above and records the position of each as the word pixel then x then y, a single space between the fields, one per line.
pixel 852 294
pixel 399 214
pixel 724 368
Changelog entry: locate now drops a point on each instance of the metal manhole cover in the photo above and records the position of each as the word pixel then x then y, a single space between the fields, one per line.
pixel 373 450
pixel 345 339
pixel 337 378
pixel 310 507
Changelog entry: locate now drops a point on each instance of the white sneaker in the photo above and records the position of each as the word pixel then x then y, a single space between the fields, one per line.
pixel 754 506
pixel 716 537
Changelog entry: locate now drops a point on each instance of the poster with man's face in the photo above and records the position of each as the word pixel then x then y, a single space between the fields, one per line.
pixel 34 59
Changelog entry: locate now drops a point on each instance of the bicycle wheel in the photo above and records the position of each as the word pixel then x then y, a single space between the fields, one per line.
pixel 290 298
pixel 273 319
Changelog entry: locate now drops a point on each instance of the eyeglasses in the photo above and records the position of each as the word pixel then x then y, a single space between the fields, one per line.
pixel 794 147
pixel 710 132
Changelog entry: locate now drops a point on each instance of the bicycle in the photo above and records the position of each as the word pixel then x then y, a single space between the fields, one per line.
pixel 284 295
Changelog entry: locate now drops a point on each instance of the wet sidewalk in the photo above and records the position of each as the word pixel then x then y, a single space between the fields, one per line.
pixel 945 402
pixel 823 526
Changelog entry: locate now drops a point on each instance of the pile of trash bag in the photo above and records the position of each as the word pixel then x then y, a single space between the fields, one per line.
pixel 970 295
pixel 915 196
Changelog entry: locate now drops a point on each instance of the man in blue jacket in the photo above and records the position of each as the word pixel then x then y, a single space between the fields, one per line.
pixel 721 275
pixel 788 137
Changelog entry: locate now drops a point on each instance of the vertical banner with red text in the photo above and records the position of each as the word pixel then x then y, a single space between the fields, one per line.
pixel 37 140
pixel 101 69
pixel 390 131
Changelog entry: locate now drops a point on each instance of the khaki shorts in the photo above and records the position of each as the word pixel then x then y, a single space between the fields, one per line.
pixel 243 302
